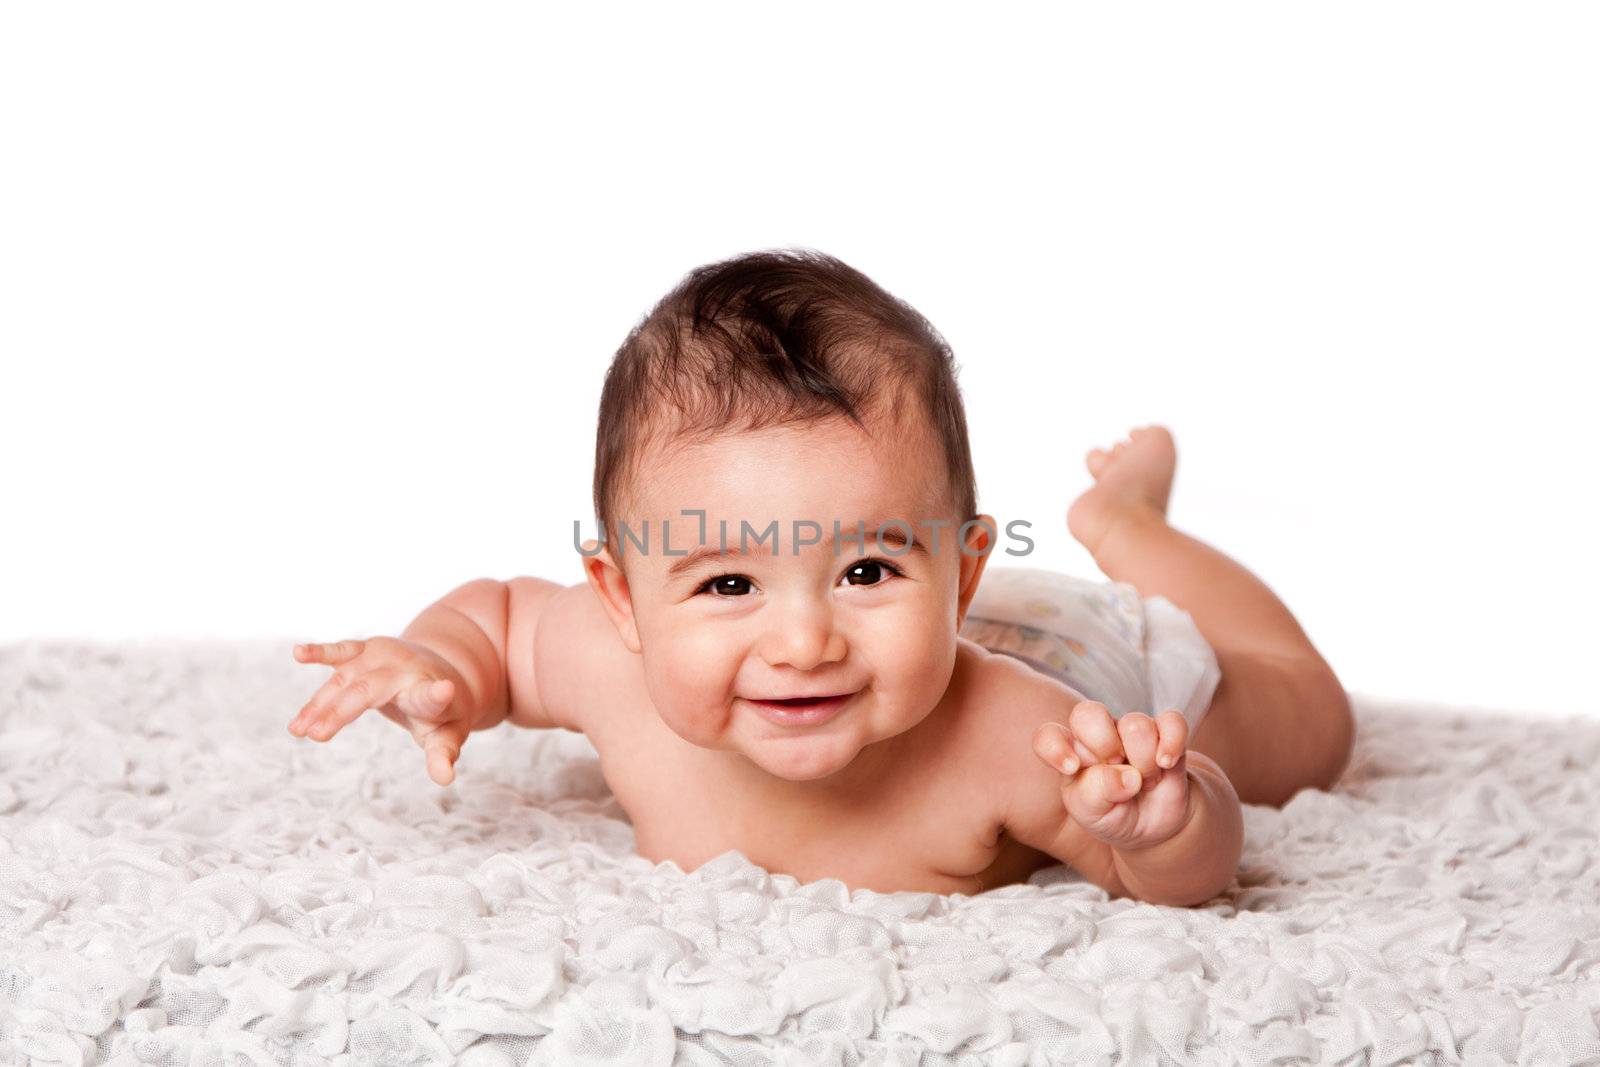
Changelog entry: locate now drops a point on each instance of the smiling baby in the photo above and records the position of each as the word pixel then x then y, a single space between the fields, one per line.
pixel 781 648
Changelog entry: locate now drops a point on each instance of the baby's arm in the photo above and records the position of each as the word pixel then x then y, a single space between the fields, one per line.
pixel 520 647
pixel 485 651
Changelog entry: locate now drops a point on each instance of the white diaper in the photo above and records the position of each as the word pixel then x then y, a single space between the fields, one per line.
pixel 1100 639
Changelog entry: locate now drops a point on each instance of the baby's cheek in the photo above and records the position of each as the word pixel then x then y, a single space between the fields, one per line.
pixel 921 652
pixel 694 688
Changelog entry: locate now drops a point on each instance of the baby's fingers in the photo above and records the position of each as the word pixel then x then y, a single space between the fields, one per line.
pixel 1095 731
pixel 1092 794
pixel 1174 738
pixel 371 690
pixel 1052 742
pixel 332 654
pixel 427 700
pixel 442 746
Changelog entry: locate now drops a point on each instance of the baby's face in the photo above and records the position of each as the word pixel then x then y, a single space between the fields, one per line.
pixel 721 632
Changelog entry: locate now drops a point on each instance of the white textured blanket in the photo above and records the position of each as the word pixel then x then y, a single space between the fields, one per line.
pixel 183 882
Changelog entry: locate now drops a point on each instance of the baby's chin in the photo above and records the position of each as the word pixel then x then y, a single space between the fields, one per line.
pixel 803 757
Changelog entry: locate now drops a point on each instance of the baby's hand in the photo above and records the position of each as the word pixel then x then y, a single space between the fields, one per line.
pixel 1138 814
pixel 408 682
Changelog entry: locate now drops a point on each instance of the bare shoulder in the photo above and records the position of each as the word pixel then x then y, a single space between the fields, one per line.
pixel 580 661
pixel 1015 700
pixel 1001 700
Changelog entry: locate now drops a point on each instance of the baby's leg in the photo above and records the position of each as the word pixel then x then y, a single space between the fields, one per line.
pixel 1280 720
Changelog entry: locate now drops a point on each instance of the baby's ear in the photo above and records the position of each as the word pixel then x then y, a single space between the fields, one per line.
pixel 611 586
pixel 973 550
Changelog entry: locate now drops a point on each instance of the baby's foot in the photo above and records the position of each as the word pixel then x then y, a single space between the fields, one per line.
pixel 1132 481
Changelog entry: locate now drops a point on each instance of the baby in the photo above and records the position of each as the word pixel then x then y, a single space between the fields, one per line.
pixel 768 651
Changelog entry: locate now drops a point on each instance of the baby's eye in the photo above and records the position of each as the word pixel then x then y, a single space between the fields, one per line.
pixel 727 585
pixel 872 571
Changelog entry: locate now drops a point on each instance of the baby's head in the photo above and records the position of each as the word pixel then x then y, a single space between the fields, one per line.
pixel 787 387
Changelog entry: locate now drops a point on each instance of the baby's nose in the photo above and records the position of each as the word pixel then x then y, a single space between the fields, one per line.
pixel 803 639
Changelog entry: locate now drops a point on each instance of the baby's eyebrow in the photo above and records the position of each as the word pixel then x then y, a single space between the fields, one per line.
pixel 891 536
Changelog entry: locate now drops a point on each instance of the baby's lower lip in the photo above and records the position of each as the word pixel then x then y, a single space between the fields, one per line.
pixel 802 713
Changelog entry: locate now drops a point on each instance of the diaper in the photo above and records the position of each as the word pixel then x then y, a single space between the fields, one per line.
pixel 1099 639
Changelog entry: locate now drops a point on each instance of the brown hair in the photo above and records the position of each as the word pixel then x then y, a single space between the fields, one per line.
pixel 774 337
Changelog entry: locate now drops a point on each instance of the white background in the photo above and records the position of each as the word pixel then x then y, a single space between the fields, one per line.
pixel 304 308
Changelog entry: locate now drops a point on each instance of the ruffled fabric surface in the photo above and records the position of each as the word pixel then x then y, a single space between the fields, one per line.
pixel 183 882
